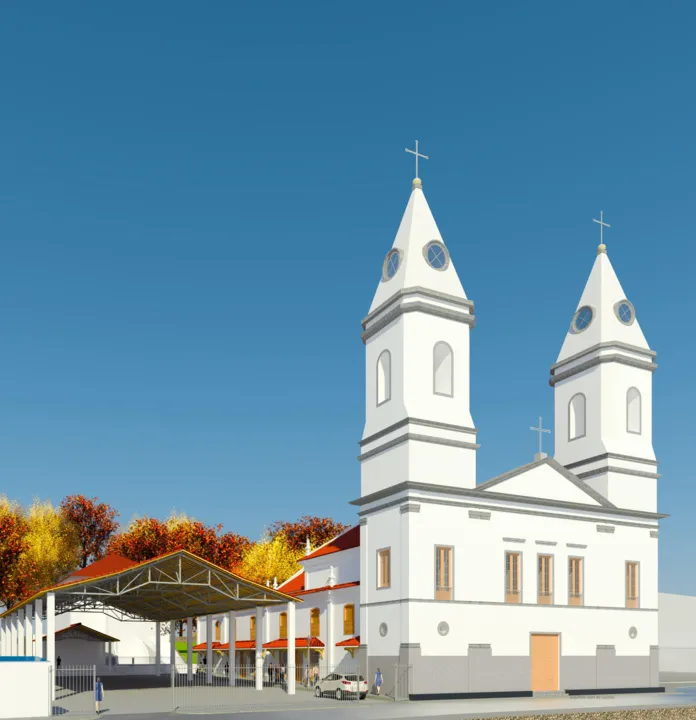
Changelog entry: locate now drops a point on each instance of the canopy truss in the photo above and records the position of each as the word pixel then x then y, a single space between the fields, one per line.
pixel 171 587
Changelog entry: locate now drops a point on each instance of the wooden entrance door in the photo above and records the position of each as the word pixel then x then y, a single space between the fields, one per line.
pixel 544 662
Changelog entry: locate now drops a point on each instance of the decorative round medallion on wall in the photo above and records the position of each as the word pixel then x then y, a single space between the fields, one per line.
pixel 443 628
pixel 632 633
pixel 383 629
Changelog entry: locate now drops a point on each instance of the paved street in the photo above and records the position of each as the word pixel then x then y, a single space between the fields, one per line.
pixel 138 704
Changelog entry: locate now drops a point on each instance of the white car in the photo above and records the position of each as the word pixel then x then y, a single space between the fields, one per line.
pixel 342 686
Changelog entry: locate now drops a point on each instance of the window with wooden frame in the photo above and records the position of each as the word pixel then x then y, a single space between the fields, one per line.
pixel 545 582
pixel 513 577
pixel 283 626
pixel 314 623
pixel 384 568
pixel 575 581
pixel 349 619
pixel 252 627
pixel 218 631
pixel 632 587
pixel 443 573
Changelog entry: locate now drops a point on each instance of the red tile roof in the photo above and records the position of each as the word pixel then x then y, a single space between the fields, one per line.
pixel 107 565
pixel 294 584
pixel 349 539
pixel 351 642
pixel 327 587
pixel 282 643
pixel 87 631
pixel 238 645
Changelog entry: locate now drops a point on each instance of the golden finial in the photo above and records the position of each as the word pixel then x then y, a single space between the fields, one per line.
pixel 417 183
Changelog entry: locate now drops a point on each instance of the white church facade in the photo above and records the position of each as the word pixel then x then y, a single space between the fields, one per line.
pixel 542 579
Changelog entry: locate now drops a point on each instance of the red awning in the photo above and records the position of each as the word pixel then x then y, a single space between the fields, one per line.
pixel 282 643
pixel 239 645
pixel 350 643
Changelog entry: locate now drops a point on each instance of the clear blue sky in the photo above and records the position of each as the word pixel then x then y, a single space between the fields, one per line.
pixel 196 199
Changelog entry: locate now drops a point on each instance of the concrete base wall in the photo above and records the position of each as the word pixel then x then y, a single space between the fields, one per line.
pixel 480 671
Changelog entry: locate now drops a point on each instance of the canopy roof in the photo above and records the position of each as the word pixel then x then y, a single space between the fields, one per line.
pixel 170 587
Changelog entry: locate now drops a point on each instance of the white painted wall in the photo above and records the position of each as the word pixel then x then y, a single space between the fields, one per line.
pixel 677 633
pixel 479 558
pixel 25 690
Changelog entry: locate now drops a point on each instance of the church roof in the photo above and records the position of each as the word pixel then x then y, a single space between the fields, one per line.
pixel 416 231
pixel 79 628
pixel 546 485
pixel 603 295
pixel 345 541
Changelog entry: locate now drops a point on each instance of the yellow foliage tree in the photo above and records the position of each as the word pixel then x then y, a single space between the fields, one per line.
pixel 53 546
pixel 270 558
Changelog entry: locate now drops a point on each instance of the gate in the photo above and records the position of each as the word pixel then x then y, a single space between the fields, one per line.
pixel 74 689
pixel 403 682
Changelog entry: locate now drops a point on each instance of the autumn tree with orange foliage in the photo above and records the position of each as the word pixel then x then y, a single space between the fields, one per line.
pixel 148 537
pixel 13 543
pixel 318 530
pixel 95 523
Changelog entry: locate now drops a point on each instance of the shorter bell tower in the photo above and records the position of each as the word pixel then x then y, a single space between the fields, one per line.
pixel 602 383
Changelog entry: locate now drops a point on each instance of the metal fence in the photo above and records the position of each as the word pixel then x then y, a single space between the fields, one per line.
pixel 235 687
pixel 403 682
pixel 74 689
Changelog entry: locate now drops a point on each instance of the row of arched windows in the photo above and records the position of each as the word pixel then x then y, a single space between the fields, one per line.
pixel 443 372
pixel 577 414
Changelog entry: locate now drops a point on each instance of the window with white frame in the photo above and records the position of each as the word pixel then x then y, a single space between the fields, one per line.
pixel 577 411
pixel 443 369
pixel 384 377
pixel 633 411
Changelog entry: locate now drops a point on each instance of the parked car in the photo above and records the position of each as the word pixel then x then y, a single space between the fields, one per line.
pixel 342 686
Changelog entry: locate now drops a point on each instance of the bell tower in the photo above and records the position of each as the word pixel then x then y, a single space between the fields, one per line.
pixel 418 424
pixel 602 383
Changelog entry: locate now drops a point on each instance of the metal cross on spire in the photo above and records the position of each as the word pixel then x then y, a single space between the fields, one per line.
pixel 418 155
pixel 541 430
pixel 602 225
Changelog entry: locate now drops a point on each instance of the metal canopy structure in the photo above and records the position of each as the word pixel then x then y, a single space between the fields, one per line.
pixel 170 587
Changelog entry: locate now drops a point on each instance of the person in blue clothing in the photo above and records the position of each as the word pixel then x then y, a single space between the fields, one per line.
pixel 98 695
pixel 378 680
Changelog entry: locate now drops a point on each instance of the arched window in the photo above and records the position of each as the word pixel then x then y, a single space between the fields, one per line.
pixel 576 417
pixel 349 619
pixel 252 627
pixel 314 625
pixel 384 377
pixel 283 625
pixel 443 369
pixel 218 631
pixel 633 411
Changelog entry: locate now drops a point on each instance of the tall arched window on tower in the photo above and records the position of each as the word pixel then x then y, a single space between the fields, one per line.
pixel 633 411
pixel 443 369
pixel 576 417
pixel 384 377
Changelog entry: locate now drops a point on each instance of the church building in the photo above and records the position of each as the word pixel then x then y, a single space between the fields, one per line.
pixel 543 579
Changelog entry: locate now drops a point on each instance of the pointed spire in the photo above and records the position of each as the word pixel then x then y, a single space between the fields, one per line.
pixel 604 314
pixel 419 257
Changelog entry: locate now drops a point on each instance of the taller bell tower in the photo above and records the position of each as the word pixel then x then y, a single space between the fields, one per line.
pixel 418 424
pixel 602 383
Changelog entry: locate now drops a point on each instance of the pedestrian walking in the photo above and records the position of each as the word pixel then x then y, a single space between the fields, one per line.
pixel 98 695
pixel 59 660
pixel 378 680
pixel 315 672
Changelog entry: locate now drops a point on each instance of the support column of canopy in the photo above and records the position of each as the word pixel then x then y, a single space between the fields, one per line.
pixel 13 634
pixel 2 637
pixel 291 669
pixel 158 647
pixel 189 649
pixel 20 631
pixel 209 649
pixel 51 637
pixel 38 628
pixel 172 645
pixel 259 648
pixel 232 647
pixel 28 635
